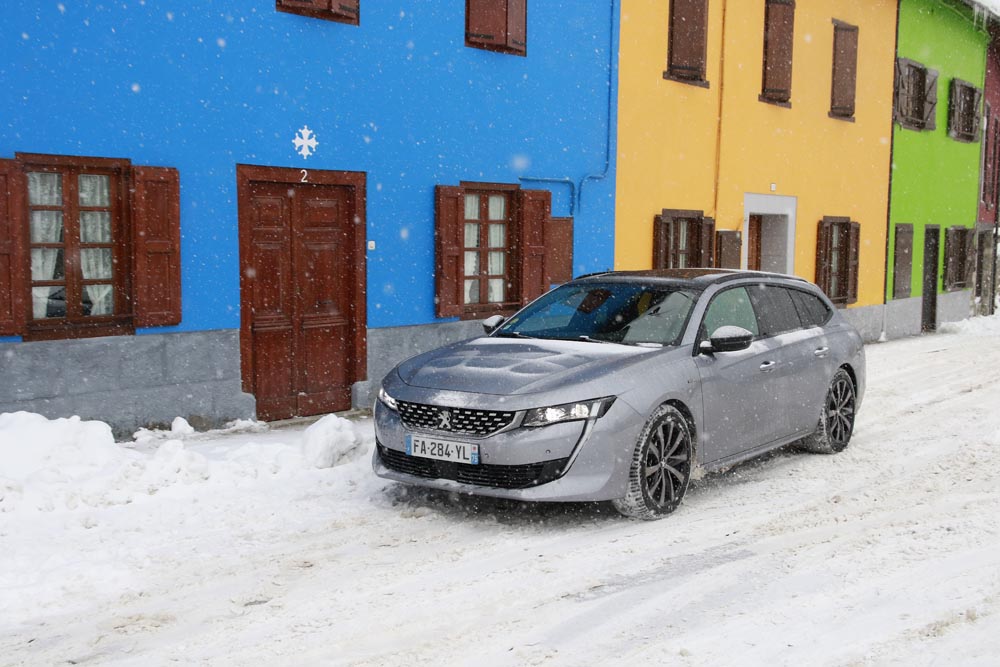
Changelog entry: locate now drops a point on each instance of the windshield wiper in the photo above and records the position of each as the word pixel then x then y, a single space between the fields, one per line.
pixel 511 334
pixel 596 340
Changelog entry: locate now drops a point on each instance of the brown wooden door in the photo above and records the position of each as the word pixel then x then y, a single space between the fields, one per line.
pixel 299 269
pixel 753 242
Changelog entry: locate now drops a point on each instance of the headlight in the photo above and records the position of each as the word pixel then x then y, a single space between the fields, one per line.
pixel 568 412
pixel 387 400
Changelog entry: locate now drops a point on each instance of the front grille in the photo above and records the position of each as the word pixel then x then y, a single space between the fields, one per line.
pixel 454 420
pixel 495 476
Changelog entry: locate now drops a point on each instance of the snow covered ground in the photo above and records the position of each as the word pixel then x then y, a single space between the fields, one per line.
pixel 257 546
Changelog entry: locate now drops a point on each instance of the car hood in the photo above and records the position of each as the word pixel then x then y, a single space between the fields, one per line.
pixel 507 366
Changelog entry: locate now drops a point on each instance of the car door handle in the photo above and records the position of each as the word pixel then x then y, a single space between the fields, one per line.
pixel 767 366
pixel 821 351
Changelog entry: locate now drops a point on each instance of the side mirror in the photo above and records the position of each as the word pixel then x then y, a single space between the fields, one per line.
pixel 492 323
pixel 727 339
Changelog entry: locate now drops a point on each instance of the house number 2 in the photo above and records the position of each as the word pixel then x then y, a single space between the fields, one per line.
pixel 305 176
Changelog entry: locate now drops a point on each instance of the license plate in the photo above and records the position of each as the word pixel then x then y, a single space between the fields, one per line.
pixel 442 450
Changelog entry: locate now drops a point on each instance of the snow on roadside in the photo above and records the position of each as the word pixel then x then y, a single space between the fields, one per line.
pixel 974 326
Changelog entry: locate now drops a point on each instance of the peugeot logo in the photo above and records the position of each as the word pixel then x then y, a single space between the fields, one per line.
pixel 444 420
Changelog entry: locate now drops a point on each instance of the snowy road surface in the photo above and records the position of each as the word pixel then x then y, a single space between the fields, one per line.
pixel 235 549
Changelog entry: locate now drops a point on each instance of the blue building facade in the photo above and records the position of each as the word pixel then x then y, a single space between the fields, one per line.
pixel 400 96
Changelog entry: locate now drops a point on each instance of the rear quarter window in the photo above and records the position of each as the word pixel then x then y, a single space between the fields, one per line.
pixel 776 312
pixel 812 310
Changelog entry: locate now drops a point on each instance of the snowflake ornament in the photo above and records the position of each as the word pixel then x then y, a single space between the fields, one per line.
pixel 305 142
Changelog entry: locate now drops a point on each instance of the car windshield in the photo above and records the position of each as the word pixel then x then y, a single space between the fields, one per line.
pixel 612 312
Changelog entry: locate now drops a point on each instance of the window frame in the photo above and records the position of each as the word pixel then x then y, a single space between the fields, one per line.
pixel 963 112
pixel 328 10
pixel 838 280
pixel 779 41
pixel 511 248
pixel 915 96
pixel 497 25
pixel 844 69
pixel 699 236
pixel 687 50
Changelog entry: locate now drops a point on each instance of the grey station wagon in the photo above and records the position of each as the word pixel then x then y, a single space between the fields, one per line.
pixel 617 386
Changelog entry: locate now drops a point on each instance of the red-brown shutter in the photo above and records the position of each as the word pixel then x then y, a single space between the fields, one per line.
pixel 845 70
pixel 448 243
pixel 517 25
pixel 823 233
pixel 12 268
pixel 779 31
pixel 686 48
pixel 728 249
pixel 156 234
pixel 660 238
pixel 558 251
pixel 486 22
pixel 853 260
pixel 535 207
pixel 930 100
pixel 706 242
pixel 317 5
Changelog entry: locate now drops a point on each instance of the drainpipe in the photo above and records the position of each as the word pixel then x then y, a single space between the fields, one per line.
pixel 612 89
pixel 718 133
pixel 888 200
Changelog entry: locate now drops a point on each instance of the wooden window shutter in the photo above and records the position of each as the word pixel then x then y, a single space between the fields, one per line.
pixel 823 235
pixel 853 260
pixel 661 240
pixel 845 70
pixel 486 22
pixel 901 101
pixel 517 25
pixel 535 207
pixel 688 40
pixel 950 258
pixel 779 32
pixel 346 8
pixel 706 242
pixel 448 242
pixel 956 109
pixel 930 100
pixel 902 272
pixel 558 251
pixel 728 249
pixel 968 258
pixel 13 291
pixel 977 99
pixel 315 5
pixel 156 246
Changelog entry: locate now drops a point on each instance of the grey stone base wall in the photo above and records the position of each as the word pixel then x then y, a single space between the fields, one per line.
pixel 128 381
pixel 903 317
pixel 391 345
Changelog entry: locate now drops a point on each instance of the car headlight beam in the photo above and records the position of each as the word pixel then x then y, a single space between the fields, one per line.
pixel 567 412
pixel 387 400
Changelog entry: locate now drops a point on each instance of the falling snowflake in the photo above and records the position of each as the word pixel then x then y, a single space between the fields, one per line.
pixel 305 142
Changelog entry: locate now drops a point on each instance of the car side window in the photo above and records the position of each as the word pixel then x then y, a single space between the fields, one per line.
pixel 812 311
pixel 776 312
pixel 730 308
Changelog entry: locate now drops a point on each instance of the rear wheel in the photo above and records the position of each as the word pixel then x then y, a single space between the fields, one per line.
pixel 661 466
pixel 836 421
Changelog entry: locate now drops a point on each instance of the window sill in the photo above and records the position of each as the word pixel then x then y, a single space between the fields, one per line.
pixel 910 124
pixel 778 103
pixel 61 330
pixel 700 83
pixel 482 311
pixel 847 119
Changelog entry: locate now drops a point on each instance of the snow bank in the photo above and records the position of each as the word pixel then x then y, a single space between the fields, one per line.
pixel 65 464
pixel 975 326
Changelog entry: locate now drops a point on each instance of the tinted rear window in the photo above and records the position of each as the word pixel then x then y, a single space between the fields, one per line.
pixel 812 310
pixel 775 311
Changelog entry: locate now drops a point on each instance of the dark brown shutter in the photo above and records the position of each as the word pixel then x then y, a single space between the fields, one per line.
pixel 449 230
pixel 517 25
pixel 535 207
pixel 853 260
pixel 13 291
pixel 728 249
pixel 706 242
pixel 558 251
pixel 969 259
pixel 901 101
pixel 950 258
pixel 687 41
pixel 156 224
pixel 956 111
pixel 902 272
pixel 930 100
pixel 845 70
pixel 823 234
pixel 345 8
pixel 779 31
pixel 661 237
pixel 317 5
pixel 486 22
pixel 977 98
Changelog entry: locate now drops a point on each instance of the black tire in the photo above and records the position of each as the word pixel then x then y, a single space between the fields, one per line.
pixel 836 421
pixel 661 466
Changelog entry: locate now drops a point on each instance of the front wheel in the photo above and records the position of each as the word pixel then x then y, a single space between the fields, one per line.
pixel 661 466
pixel 836 421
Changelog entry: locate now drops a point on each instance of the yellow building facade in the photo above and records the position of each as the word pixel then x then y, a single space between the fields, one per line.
pixel 770 171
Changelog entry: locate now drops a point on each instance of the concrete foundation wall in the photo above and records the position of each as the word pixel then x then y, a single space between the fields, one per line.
pixel 954 306
pixel 128 381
